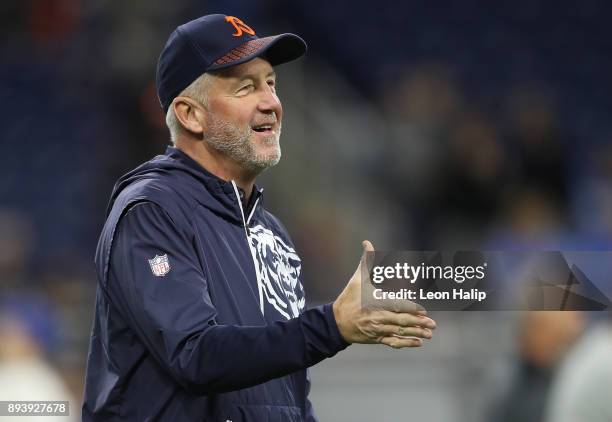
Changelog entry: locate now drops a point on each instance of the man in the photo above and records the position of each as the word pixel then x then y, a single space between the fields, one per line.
pixel 200 307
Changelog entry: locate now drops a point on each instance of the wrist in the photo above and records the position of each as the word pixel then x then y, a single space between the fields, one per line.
pixel 336 309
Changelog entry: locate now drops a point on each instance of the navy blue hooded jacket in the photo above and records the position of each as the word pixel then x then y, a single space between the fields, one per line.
pixel 200 307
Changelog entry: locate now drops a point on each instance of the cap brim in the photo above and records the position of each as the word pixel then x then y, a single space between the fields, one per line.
pixel 276 49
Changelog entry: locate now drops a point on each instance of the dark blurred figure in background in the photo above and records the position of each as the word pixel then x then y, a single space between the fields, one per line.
pixel 469 191
pixel 592 203
pixel 420 104
pixel 543 339
pixel 16 245
pixel 538 152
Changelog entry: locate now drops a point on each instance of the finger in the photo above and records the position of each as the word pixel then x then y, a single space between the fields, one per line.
pixel 400 343
pixel 390 330
pixel 392 305
pixel 402 305
pixel 404 319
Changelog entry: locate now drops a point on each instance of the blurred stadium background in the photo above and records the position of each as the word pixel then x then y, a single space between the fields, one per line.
pixel 414 124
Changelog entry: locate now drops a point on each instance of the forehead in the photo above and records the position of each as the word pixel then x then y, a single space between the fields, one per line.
pixel 257 67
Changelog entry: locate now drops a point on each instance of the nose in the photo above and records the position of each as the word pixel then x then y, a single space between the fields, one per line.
pixel 270 103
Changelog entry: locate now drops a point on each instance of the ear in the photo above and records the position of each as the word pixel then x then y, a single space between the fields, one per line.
pixel 190 115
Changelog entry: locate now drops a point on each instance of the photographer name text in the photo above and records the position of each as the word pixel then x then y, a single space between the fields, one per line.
pixel 423 294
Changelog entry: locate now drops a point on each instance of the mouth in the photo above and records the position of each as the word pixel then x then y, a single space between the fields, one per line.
pixel 264 129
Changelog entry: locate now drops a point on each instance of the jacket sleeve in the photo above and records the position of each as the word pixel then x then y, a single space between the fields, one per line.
pixel 172 313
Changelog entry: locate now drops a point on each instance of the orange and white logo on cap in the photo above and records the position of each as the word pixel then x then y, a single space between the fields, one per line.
pixel 239 26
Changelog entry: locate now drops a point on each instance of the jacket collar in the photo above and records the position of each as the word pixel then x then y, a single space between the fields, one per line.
pixel 223 191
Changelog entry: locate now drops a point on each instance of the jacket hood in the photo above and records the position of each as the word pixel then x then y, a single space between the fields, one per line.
pixel 174 166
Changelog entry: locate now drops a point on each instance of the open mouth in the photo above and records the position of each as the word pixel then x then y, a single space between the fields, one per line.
pixel 264 129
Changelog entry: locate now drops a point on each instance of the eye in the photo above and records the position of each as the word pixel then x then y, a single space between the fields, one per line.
pixel 271 83
pixel 245 88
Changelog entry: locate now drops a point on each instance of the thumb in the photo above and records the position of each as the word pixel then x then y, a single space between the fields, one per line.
pixel 367 246
pixel 367 257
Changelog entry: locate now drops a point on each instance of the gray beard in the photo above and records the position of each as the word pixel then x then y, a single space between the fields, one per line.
pixel 235 142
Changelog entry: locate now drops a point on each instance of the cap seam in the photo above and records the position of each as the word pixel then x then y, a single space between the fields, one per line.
pixel 193 45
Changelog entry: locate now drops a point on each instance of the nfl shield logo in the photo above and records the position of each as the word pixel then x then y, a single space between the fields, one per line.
pixel 160 265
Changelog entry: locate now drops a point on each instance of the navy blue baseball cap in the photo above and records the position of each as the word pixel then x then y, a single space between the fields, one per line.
pixel 216 42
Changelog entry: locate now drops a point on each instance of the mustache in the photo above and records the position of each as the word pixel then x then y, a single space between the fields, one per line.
pixel 270 119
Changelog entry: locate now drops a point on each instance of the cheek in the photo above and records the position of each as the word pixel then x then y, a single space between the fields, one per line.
pixel 233 112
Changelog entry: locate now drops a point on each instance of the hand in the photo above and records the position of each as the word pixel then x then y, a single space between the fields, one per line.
pixel 398 324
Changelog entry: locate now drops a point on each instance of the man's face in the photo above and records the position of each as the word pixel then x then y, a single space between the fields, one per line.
pixel 243 117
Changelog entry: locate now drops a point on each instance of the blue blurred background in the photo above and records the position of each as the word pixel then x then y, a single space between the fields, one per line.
pixel 418 125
